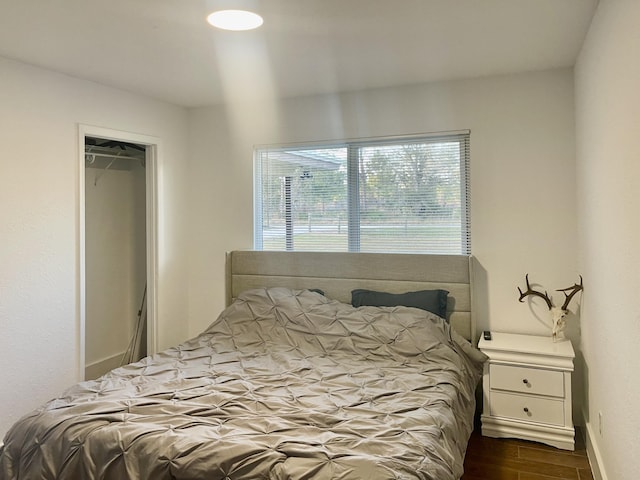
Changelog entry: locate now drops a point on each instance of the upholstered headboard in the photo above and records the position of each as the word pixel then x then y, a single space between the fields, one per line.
pixel 339 273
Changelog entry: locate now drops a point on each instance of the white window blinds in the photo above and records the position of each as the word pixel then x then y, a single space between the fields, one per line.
pixel 407 195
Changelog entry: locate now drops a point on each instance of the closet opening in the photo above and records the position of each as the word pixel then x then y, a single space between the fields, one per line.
pixel 116 254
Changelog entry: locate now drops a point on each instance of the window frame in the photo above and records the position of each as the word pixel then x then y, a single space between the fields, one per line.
pixel 353 147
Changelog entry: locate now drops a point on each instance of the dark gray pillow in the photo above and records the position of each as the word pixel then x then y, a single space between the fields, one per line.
pixel 434 301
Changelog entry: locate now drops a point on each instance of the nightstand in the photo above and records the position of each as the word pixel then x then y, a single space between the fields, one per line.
pixel 526 389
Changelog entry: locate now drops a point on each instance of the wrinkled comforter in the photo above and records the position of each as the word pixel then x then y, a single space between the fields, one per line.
pixel 284 384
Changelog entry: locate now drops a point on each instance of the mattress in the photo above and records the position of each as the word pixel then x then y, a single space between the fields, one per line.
pixel 285 384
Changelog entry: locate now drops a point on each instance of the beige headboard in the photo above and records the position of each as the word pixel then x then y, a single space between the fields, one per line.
pixel 339 273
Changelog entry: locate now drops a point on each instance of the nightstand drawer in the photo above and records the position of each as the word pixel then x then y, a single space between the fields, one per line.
pixel 527 380
pixel 526 408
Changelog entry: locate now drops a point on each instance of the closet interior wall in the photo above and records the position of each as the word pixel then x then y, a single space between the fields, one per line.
pixel 115 255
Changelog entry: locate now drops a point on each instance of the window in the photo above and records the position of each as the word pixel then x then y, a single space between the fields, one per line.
pixel 405 195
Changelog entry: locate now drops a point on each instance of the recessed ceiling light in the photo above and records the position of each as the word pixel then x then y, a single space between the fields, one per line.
pixel 235 20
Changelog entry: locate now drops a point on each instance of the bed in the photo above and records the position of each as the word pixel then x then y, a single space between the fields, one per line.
pixel 289 382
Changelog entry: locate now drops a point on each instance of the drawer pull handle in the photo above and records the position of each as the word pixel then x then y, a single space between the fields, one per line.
pixel 526 410
pixel 525 381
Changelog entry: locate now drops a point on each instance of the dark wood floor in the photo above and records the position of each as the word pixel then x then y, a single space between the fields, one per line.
pixel 509 459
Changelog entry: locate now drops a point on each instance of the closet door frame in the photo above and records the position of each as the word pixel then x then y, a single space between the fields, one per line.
pixel 152 167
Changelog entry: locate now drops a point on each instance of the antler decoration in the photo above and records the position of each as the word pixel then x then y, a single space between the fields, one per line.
pixel 567 297
pixel 531 291
pixel 557 314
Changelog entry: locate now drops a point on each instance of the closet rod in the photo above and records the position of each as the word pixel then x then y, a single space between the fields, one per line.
pixel 90 156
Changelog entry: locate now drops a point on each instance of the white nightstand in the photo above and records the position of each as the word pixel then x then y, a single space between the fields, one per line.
pixel 527 389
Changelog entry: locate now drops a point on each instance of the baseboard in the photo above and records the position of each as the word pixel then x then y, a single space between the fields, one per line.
pixel 593 453
pixel 99 368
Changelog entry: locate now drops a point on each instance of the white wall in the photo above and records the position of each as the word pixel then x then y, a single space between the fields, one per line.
pixel 115 262
pixel 608 161
pixel 39 170
pixel 522 177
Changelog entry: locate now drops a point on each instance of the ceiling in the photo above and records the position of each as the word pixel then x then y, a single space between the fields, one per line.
pixel 166 50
